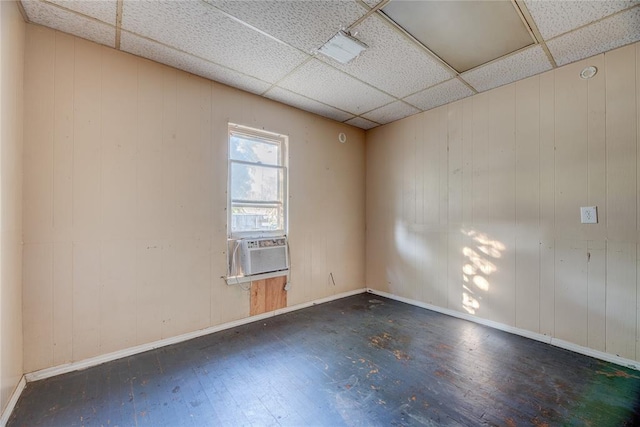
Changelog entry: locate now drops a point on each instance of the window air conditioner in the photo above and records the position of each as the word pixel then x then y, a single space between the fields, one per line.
pixel 263 255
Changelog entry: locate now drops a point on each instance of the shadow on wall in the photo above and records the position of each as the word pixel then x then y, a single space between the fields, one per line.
pixel 410 259
pixel 477 268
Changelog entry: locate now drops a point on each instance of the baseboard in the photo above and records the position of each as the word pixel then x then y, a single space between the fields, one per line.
pixel 517 331
pixel 6 413
pixel 98 360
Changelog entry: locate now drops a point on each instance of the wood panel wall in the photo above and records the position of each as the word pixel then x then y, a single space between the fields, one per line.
pixel 474 206
pixel 125 178
pixel 12 39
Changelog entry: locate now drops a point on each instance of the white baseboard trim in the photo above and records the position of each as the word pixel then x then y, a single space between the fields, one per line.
pixel 517 331
pixel 98 360
pixel 6 413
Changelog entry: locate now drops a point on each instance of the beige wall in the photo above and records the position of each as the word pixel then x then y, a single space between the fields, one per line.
pixel 124 200
pixel 12 35
pixel 474 206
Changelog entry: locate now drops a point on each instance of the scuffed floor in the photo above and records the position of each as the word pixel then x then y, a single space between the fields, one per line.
pixel 362 360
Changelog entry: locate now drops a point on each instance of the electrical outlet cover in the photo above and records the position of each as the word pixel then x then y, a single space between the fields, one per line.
pixel 588 215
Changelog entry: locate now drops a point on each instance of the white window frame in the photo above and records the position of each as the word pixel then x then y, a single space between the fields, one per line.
pixel 269 137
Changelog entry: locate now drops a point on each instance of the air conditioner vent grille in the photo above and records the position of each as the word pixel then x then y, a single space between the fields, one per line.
pixel 263 255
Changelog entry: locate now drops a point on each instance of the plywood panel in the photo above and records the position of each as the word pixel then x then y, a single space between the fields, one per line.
pixel 192 156
pixel 63 135
pixel 527 198
pixel 571 296
pixel 597 196
pixel 151 289
pixel 414 260
pixel 319 272
pixel 439 293
pixel 621 134
pixel 87 143
pixel 151 197
pixel 299 272
pixel 87 293
pixel 117 305
pixel 621 299
pixel 118 144
pixel 431 168
pixel 480 159
pixel 38 306
pixel 467 161
pixel 571 150
pixel 258 297
pixel 38 139
pixel 432 245
pixel 527 155
pixel 396 174
pixel 527 292
pixel 222 298
pixel 378 196
pixel 547 203
pixel 499 303
pixel 268 295
pixel 597 297
pixel 378 226
pixel 443 163
pixel 596 133
pixel 638 141
pixel 455 263
pixel 398 243
pixel 186 265
pixel 454 208
pixel 502 156
pixel 12 112
pixel 62 267
pixel 407 149
pixel 419 169
pixel 345 207
pixel 455 133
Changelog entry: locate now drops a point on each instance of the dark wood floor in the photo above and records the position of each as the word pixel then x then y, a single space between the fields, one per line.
pixel 362 360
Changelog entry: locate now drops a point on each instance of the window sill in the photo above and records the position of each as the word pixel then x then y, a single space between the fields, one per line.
pixel 238 280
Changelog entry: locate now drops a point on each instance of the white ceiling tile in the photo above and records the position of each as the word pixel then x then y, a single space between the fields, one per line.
pixel 392 62
pixel 306 25
pixel 361 123
pixel 299 101
pixel 319 81
pixel 390 113
pixel 102 10
pixel 441 94
pixel 183 61
pixel 200 29
pixel 60 19
pixel 518 66
pixel 557 17
pixel 610 33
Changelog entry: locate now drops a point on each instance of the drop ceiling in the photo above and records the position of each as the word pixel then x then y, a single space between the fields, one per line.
pixel 421 54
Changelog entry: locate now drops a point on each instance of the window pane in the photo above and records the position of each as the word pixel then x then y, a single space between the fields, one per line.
pixel 256 183
pixel 254 150
pixel 256 218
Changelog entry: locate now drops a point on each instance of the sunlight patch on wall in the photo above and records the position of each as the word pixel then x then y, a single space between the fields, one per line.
pixel 478 268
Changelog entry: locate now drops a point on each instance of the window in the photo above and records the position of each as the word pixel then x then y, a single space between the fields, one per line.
pixel 257 183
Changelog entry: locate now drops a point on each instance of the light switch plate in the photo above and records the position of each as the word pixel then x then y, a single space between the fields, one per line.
pixel 588 215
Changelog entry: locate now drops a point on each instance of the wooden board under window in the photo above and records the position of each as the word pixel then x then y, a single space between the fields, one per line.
pixel 268 295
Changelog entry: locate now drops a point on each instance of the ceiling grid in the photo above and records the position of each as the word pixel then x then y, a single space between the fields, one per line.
pixel 118 24
pixel 269 47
